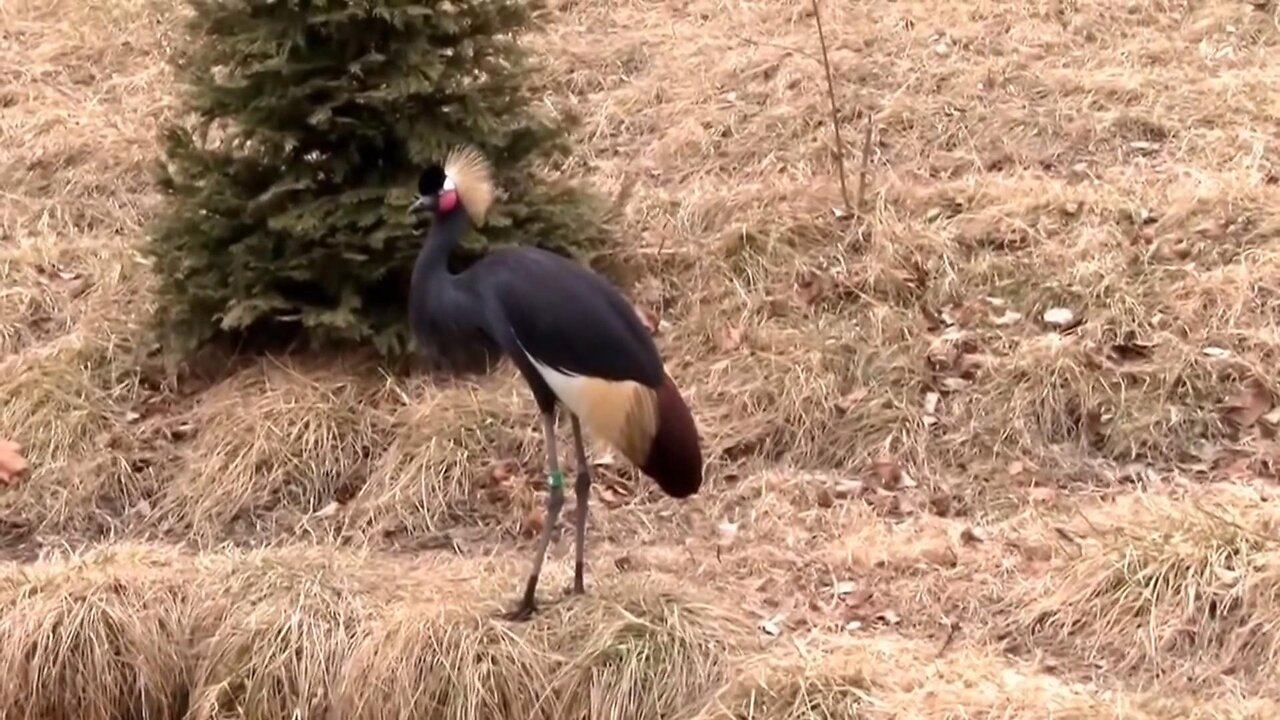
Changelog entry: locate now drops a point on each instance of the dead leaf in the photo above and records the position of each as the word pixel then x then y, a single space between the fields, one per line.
pixel 974 534
pixel 181 431
pixel 772 626
pixel 1226 576
pixel 13 466
pixel 330 509
pixel 1009 317
pixel 845 587
pixel 77 287
pixel 1216 352
pixel 1137 472
pixel 942 504
pixel 887 472
pixel 851 400
pixel 729 339
pixel 1272 418
pixel 534 521
pixel 825 498
pixel 903 505
pixel 889 617
pixel 846 489
pixel 970 364
pixel 610 498
pixel 943 353
pixel 1130 349
pixel 503 472
pixel 1060 319
pixel 857 598
pixel 1250 405
pixel 959 314
pixel 930 416
pixel 649 318
pixel 812 287
pixel 1042 494
pixel 1015 468
pixel 1032 550
pixel 728 533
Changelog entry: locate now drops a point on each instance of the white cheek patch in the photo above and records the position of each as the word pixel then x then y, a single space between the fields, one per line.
pixel 449 184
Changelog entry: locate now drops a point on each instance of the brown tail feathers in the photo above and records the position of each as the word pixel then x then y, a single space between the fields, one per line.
pixel 652 428
pixel 674 458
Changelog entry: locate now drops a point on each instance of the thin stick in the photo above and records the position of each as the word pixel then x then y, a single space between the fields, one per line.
pixel 835 113
pixel 866 162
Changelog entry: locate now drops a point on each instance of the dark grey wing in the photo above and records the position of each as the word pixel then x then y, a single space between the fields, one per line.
pixel 566 316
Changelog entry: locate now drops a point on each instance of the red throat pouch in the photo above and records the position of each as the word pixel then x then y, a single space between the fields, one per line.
pixel 448 201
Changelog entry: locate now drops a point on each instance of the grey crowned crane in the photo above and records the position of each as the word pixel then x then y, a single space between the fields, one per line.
pixel 573 337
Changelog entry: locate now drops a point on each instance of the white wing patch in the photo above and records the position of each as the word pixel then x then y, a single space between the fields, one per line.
pixel 624 413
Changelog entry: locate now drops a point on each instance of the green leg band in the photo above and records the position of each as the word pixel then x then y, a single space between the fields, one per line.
pixel 555 480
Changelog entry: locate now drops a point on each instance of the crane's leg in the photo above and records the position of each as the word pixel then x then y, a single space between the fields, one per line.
pixel 555 501
pixel 582 489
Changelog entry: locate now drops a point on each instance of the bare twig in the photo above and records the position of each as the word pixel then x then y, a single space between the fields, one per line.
pixel 835 112
pixel 866 163
pixel 952 629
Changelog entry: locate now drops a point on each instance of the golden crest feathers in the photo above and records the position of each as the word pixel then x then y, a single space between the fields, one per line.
pixel 473 176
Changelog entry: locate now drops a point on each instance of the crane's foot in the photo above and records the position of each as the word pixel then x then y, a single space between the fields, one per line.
pixel 522 612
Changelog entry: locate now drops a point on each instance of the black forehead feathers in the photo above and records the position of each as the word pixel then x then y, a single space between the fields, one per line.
pixel 431 180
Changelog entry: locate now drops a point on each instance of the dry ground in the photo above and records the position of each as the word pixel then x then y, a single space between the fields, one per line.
pixel 922 501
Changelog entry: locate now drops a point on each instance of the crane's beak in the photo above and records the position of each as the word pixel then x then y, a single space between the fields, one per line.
pixel 423 205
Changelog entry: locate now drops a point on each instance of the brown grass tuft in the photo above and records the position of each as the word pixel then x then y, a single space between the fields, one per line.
pixel 803 693
pixel 446 439
pixel 99 637
pixel 272 638
pixel 1177 593
pixel 646 657
pixel 70 405
pixel 422 661
pixel 272 445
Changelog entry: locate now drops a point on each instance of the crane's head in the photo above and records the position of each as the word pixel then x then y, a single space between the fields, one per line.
pixel 465 181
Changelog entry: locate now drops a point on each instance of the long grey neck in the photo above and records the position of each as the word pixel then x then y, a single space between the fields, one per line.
pixel 445 234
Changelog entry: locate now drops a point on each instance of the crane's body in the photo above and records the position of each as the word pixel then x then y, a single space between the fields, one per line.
pixel 575 340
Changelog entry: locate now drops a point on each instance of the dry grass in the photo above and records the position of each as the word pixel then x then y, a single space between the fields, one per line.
pixel 271 438
pixel 273 633
pixel 1176 592
pixel 443 446
pixel 896 442
pixel 96 637
pixel 274 638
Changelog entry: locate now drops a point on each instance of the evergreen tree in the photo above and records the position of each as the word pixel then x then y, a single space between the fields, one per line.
pixel 289 177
